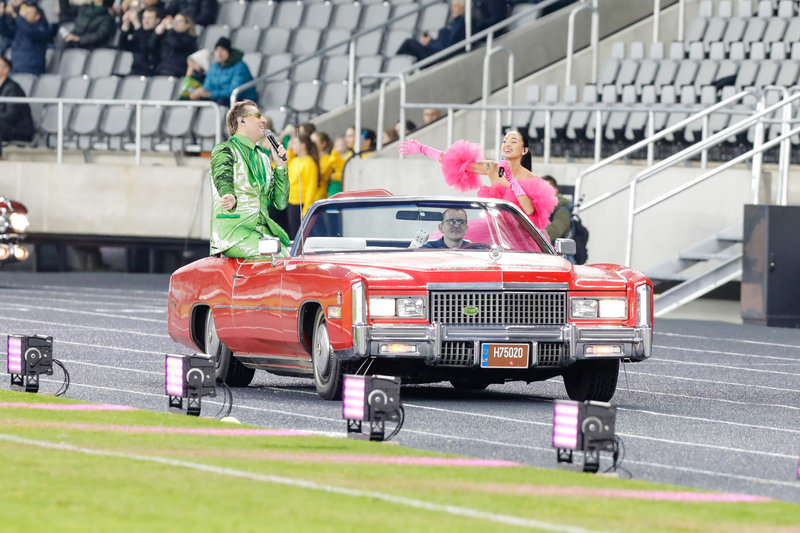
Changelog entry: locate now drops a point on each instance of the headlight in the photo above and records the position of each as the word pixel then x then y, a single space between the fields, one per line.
pixel 405 307
pixel 19 222
pixel 603 308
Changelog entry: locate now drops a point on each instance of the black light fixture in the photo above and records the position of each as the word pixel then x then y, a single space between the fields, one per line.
pixel 190 377
pixel 587 427
pixel 28 358
pixel 373 399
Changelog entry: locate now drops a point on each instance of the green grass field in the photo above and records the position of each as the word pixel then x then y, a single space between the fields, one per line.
pixel 61 473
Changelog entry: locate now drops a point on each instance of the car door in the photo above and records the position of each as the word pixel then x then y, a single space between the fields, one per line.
pixel 256 309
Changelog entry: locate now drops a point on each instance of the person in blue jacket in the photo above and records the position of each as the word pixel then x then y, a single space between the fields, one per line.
pixel 225 74
pixel 452 33
pixel 29 34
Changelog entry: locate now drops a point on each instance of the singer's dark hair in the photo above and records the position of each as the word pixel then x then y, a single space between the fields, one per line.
pixel 527 160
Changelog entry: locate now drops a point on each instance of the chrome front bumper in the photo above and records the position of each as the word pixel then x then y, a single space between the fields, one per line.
pixel 636 342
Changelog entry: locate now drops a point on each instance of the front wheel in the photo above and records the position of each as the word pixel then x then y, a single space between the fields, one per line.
pixel 227 367
pixel 592 380
pixel 328 370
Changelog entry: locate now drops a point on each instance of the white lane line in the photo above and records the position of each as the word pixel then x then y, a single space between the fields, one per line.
pixel 92 313
pixel 462 512
pixel 479 415
pixel 89 301
pixel 728 339
pixel 143 310
pixel 713 382
pixel 709 420
pixel 106 347
pixel 710 399
pixel 709 446
pixel 66 289
pixel 718 352
pixel 549 450
pixel 727 367
pixel 49 323
pixel 109 367
pixel 760 481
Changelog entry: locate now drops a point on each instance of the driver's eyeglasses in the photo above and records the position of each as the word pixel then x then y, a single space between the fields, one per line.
pixel 457 221
pixel 257 114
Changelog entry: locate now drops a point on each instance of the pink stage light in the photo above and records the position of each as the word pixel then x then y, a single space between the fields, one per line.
pixel 565 425
pixel 14 355
pixel 353 404
pixel 174 376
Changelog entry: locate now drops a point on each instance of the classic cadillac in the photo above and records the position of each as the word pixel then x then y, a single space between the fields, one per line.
pixel 14 223
pixel 428 289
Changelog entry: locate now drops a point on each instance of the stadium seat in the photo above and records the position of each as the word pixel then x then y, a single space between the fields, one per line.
pixel 332 95
pixel 275 40
pixel 101 62
pixel 407 23
pixel 347 16
pixel 305 41
pixel 308 70
pixel 335 68
pixel 211 34
pixel 318 15
pixel 288 15
pixel 275 63
pixel 253 60
pixel 72 62
pixel 260 14
pixel 246 38
pixel 303 100
pixel 232 13
pixel 434 18
pixel 85 120
pixel 115 123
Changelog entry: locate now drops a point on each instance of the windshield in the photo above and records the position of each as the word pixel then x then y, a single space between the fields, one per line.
pixel 418 226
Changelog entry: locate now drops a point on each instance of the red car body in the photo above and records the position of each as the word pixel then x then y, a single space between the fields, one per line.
pixel 314 313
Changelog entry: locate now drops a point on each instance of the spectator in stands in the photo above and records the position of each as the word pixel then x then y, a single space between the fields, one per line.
pixel 203 12
pixel 389 136
pixel 245 185
pixel 328 159
pixel 487 13
pixel 304 180
pixel 16 122
pixel 561 217
pixel 137 5
pixel 197 66
pixel 306 128
pixel 452 33
pixel 410 126
pixel 29 35
pixel 225 74
pixel 141 39
pixel 431 114
pixel 9 10
pixel 94 26
pixel 178 39
pixel 339 155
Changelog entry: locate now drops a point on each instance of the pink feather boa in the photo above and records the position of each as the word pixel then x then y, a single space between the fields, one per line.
pixel 542 196
pixel 457 165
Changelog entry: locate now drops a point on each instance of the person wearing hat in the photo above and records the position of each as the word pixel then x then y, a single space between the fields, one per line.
pixel 196 68
pixel 178 40
pixel 244 186
pixel 226 73
pixel 141 40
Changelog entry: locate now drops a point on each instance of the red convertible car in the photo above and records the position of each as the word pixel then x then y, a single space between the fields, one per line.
pixel 428 289
pixel 14 223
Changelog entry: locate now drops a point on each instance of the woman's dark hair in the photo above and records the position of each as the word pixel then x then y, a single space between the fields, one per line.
pixel 527 160
pixel 311 149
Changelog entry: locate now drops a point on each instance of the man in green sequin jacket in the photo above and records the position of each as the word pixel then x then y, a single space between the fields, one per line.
pixel 244 185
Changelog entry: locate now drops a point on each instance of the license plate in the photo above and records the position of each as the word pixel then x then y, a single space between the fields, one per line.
pixel 497 355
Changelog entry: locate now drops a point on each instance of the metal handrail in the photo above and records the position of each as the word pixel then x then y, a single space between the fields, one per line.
pixel 384 78
pixel 486 86
pixel 581 206
pixel 108 102
pixel 466 44
pixel 757 151
pixel 594 40
pixel 350 43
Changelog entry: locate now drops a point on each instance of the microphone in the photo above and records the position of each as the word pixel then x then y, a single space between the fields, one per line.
pixel 273 141
pixel 501 171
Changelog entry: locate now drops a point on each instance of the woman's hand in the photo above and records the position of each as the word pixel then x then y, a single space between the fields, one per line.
pixel 410 147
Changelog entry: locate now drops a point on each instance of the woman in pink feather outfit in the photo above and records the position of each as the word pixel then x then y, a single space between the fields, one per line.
pixel 509 179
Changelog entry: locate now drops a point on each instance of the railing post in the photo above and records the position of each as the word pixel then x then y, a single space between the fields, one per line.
pixel 60 134
pixel 704 153
pixel 498 124
pixel 656 19
pixel 351 71
pixel 598 134
pixel 547 140
pixel 784 160
pixel 402 78
pixel 681 17
pixel 381 103
pixel 485 87
pixel 356 145
pixel 595 40
pixel 450 120
pixel 758 140
pixel 468 23
pixel 138 134
pixel 651 125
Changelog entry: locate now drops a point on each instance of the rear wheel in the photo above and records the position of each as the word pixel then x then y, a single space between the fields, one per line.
pixel 328 370
pixel 592 380
pixel 228 368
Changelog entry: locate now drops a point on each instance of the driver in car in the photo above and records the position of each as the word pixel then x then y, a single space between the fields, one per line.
pixel 453 226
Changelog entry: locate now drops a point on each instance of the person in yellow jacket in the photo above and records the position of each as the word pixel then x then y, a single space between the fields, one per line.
pixel 328 161
pixel 304 180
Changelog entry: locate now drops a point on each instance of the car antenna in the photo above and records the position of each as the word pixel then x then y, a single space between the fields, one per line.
pixel 300 193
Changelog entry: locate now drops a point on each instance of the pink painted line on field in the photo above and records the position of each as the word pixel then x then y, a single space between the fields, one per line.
pixel 69 406
pixel 655 495
pixel 387 460
pixel 235 432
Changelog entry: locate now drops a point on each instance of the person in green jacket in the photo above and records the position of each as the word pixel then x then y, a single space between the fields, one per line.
pixel 561 218
pixel 244 185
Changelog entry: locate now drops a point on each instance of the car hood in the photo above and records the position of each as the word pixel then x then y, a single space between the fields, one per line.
pixel 417 269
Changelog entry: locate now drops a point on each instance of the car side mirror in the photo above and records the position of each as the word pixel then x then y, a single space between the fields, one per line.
pixel 269 245
pixel 566 247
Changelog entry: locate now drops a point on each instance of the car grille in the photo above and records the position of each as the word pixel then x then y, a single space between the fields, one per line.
pixel 458 353
pixel 499 308
pixel 550 353
pixel 461 353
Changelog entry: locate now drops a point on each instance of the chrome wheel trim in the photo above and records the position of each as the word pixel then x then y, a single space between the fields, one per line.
pixel 323 354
